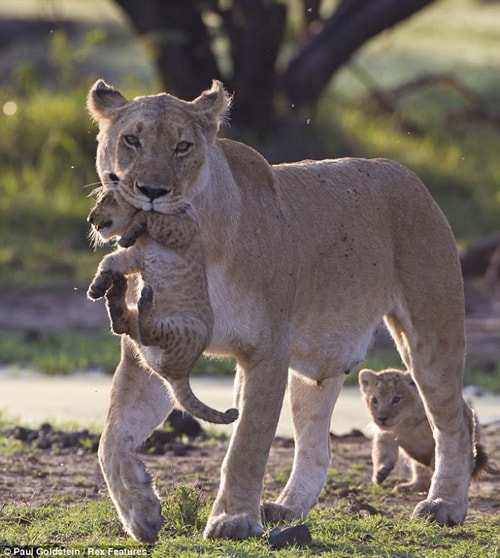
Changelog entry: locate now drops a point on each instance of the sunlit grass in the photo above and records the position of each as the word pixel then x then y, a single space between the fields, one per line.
pixel 335 532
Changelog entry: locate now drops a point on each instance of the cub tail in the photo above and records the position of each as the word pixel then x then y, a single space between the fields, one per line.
pixel 181 390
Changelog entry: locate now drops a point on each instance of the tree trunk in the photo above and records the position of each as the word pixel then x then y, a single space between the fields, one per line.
pixel 255 29
pixel 351 25
pixel 179 40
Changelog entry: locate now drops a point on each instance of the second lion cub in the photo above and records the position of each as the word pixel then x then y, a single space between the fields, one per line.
pixel 173 321
pixel 398 413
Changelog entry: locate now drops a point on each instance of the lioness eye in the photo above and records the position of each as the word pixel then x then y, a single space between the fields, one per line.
pixel 182 147
pixel 396 399
pixel 131 140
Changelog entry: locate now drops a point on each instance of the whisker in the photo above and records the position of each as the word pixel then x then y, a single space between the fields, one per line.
pixel 92 184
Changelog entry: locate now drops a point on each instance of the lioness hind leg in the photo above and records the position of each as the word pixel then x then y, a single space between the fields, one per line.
pixel 435 354
pixel 311 406
pixel 140 401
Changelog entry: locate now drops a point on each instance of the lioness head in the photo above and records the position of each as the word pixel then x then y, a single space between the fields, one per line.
pixel 391 396
pixel 153 148
pixel 111 216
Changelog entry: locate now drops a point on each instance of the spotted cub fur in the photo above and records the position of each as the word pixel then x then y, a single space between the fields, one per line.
pixel 173 321
pixel 398 414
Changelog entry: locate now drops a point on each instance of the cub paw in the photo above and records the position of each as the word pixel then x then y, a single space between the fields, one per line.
pixel 127 240
pixel 381 474
pixel 117 306
pixel 236 527
pixel 145 317
pixel 442 511
pixel 145 302
pixel 101 284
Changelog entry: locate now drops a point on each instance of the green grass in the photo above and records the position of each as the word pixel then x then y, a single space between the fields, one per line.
pixel 65 353
pixel 335 532
pixel 56 353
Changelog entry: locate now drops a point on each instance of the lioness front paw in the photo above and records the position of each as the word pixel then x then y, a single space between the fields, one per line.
pixel 236 527
pixel 441 511
pixel 145 528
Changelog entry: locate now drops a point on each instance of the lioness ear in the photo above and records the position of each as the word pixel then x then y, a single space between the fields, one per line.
pixel 214 104
pixel 103 100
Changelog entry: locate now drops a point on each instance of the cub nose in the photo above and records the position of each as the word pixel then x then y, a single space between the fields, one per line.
pixel 153 192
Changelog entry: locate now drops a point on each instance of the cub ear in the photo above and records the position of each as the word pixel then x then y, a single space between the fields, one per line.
pixel 409 380
pixel 103 100
pixel 214 104
pixel 366 377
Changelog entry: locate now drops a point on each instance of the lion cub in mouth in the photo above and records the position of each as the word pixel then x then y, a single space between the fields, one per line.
pixel 398 413
pixel 173 321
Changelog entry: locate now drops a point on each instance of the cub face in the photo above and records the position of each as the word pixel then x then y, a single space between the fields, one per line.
pixel 111 216
pixel 390 396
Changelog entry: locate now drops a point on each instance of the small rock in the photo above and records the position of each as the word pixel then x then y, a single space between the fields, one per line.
pixel 288 535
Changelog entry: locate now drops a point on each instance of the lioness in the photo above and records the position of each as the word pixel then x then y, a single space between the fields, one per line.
pixel 172 330
pixel 303 260
pixel 397 410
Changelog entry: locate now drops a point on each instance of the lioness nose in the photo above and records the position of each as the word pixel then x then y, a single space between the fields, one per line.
pixel 153 192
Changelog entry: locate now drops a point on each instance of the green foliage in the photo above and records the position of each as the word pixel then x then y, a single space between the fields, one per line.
pixel 48 148
pixel 60 353
pixel 185 508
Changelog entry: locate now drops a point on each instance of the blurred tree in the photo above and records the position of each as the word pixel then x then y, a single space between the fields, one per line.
pixel 182 43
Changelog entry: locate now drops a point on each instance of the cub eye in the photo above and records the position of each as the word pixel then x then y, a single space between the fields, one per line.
pixel 182 147
pixel 131 140
pixel 396 399
pixel 374 401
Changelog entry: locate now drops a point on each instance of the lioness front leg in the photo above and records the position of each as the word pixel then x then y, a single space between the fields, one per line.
pixel 437 351
pixel 236 511
pixel 140 401
pixel 311 406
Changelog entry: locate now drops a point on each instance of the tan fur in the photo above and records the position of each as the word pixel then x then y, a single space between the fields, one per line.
pixel 303 260
pixel 173 321
pixel 398 414
pixel 396 409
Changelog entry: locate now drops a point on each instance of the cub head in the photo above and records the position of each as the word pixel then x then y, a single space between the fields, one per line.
pixel 111 216
pixel 154 148
pixel 390 395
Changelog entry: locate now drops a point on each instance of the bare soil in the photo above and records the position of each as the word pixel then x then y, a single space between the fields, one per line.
pixel 37 477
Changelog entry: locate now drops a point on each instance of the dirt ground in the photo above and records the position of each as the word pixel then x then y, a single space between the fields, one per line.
pixel 37 477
